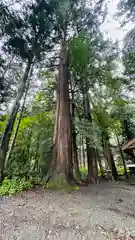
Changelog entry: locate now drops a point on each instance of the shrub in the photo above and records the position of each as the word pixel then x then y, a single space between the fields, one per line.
pixel 84 173
pixel 12 186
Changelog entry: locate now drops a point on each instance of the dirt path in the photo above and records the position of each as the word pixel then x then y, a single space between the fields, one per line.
pixel 103 211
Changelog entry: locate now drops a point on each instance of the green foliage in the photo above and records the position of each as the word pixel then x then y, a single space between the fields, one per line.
pixel 13 186
pixel 129 63
pixel 84 173
pixel 29 34
pixel 127 7
pixel 92 131
pixel 32 150
pixel 2 125
pixel 79 53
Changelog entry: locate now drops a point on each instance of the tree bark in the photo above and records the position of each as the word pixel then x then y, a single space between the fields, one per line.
pixel 122 157
pixel 75 153
pixel 109 156
pixel 83 153
pixel 104 153
pixel 91 158
pixel 100 164
pixel 80 151
pixel 62 141
pixel 11 120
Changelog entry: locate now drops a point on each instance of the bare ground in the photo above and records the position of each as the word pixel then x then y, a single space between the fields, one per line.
pixel 103 211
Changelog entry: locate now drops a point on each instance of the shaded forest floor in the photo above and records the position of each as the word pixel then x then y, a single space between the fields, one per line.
pixel 103 211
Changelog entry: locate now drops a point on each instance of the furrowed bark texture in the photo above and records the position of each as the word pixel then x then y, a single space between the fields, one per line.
pixel 62 141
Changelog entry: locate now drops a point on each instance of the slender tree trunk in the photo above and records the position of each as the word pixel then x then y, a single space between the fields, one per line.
pixel 11 120
pixel 62 141
pixel 80 150
pixel 109 156
pixel 104 153
pixel 100 164
pixel 90 150
pixel 75 153
pixel 37 152
pixel 114 169
pixel 95 167
pixel 29 146
pixel 122 157
pixel 127 131
pixel 16 129
pixel 83 150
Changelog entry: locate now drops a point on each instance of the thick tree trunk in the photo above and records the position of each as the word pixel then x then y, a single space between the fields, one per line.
pixel 62 141
pixel 11 120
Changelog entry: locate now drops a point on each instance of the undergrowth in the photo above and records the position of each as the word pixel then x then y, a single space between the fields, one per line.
pixel 13 186
pixel 84 172
pixel 16 185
